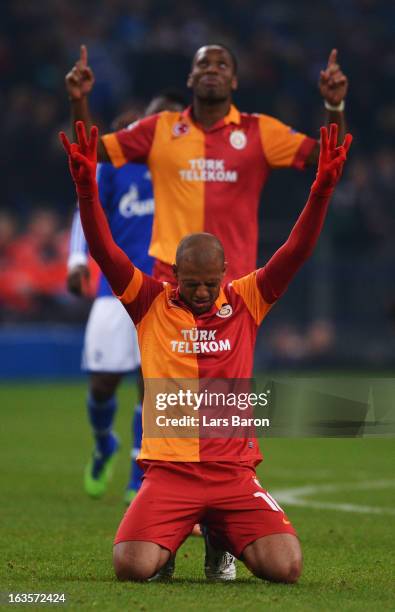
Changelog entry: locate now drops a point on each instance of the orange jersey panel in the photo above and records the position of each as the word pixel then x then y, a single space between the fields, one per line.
pixel 179 203
pixel 180 350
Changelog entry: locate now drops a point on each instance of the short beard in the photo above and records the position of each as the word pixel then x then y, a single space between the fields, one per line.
pixel 213 99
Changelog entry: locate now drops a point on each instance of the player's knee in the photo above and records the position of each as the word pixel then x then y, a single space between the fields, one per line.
pixel 126 569
pixel 126 572
pixel 277 558
pixel 291 571
pixel 288 571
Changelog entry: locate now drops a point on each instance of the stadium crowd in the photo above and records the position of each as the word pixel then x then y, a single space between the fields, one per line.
pixel 33 269
pixel 136 49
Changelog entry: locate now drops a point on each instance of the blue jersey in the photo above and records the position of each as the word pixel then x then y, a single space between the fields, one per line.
pixel 127 199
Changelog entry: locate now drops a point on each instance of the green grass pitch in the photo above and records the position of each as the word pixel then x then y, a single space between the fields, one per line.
pixel 54 539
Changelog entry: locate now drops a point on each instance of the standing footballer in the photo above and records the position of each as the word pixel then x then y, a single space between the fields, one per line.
pixel 210 162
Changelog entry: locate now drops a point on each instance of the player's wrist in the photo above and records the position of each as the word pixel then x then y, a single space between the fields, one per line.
pixel 320 190
pixel 336 108
pixel 77 99
pixel 87 189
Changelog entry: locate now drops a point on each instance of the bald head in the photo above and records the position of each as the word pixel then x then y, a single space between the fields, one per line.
pixel 201 250
pixel 199 269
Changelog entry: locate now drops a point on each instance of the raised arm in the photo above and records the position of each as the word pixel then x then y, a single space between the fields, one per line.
pixel 333 86
pixel 113 262
pixel 79 84
pixel 274 277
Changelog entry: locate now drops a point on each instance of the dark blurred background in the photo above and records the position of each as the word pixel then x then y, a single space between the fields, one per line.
pixel 340 311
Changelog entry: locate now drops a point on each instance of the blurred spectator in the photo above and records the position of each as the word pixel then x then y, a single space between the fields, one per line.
pixel 33 266
pixel 43 248
pixel 14 285
pixel 315 344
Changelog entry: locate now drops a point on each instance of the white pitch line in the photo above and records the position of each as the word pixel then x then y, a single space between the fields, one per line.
pixel 297 496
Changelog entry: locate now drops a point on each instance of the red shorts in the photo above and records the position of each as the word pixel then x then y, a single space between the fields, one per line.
pixel 226 497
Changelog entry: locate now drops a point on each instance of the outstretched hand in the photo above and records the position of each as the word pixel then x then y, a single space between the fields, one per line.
pixel 82 156
pixel 331 160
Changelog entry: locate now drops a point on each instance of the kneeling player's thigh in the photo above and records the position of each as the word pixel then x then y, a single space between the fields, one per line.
pixel 246 512
pixel 110 339
pixel 163 512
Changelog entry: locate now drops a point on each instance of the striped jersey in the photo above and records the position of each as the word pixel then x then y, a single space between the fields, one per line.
pixel 209 179
pixel 175 344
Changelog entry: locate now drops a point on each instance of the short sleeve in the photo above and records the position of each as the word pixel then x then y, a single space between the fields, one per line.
pixel 139 294
pixel 132 144
pixel 248 289
pixel 283 146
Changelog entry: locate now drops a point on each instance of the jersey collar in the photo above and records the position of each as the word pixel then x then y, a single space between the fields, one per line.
pixel 233 117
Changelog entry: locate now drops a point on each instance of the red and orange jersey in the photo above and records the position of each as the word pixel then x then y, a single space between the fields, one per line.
pixel 209 180
pixel 177 345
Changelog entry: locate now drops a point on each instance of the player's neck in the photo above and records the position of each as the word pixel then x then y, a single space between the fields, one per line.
pixel 208 114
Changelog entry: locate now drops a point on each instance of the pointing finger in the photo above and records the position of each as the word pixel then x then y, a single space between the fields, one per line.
pixel 332 57
pixel 83 55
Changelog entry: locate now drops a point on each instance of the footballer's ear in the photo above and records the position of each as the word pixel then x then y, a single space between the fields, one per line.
pixel 175 271
pixel 189 81
pixel 235 83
